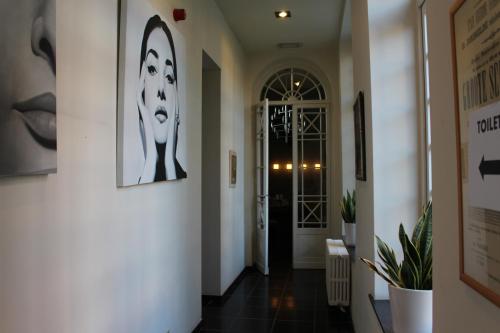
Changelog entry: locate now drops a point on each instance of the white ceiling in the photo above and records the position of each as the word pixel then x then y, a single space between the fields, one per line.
pixel 315 23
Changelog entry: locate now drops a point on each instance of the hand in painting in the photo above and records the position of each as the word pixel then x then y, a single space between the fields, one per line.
pixel 151 155
pixel 173 117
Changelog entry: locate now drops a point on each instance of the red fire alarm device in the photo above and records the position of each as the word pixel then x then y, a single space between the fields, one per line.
pixel 179 14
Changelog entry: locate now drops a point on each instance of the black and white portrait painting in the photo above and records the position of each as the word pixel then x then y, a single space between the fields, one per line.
pixel 28 142
pixel 151 115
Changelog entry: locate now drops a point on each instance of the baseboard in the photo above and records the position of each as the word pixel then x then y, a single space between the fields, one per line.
pixel 308 265
pixel 206 299
pixel 197 328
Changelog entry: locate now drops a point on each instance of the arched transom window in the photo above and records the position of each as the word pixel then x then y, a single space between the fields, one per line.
pixel 293 84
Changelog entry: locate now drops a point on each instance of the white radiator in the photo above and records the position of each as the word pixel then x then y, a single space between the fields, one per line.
pixel 338 273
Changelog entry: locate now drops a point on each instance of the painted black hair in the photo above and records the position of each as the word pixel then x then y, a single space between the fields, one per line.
pixel 155 22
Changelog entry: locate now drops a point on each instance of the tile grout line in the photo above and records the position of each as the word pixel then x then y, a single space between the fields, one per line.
pixel 315 308
pixel 236 316
pixel 280 301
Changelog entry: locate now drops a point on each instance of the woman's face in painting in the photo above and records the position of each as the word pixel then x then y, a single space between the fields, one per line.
pixel 160 86
pixel 27 86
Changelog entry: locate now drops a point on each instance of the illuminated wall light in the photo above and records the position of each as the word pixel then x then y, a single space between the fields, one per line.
pixel 317 166
pixel 297 83
pixel 289 166
pixel 304 166
pixel 281 14
pixel 276 166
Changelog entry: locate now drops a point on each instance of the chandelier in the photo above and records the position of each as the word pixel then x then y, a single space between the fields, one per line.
pixel 281 121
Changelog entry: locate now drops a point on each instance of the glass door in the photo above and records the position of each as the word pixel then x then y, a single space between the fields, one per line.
pixel 310 184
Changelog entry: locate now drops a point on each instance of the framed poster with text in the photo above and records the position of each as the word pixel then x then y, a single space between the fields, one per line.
pixel 475 34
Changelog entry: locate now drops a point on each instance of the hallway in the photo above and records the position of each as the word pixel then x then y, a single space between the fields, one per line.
pixel 285 301
pixel 179 166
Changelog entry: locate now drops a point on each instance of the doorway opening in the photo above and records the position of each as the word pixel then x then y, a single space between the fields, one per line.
pixel 211 178
pixel 280 190
pixel 293 171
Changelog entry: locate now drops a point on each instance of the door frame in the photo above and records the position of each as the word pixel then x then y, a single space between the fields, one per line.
pixel 262 222
pixel 314 262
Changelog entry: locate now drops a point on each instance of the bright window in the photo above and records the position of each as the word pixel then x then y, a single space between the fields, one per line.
pixel 426 102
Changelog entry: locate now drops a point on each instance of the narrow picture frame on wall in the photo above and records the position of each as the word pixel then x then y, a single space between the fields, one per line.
pixel 233 164
pixel 359 136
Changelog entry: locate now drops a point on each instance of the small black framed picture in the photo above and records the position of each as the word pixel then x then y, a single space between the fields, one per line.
pixel 359 136
pixel 232 168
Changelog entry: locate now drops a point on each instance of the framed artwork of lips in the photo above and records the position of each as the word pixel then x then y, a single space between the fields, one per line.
pixel 28 131
pixel 151 97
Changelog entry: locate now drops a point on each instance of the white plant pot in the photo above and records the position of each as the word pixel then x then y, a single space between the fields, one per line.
pixel 411 310
pixel 350 234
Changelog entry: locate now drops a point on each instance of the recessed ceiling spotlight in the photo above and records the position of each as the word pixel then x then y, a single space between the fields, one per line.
pixel 281 14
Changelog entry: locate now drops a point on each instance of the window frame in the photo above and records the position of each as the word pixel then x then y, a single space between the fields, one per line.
pixel 425 139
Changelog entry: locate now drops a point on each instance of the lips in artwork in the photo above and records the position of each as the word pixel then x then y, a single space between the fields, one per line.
pixel 161 114
pixel 39 115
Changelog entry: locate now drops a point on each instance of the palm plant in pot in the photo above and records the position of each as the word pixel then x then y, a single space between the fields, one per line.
pixel 410 282
pixel 348 211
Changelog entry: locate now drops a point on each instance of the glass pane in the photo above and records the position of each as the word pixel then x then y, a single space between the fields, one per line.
pixel 278 87
pixel 299 213
pixel 322 93
pixel 312 183
pixel 312 179
pixel 286 80
pixel 323 171
pixel 273 96
pixel 325 211
pixel 306 86
pixel 312 94
pixel 301 169
pixel 312 153
pixel 312 123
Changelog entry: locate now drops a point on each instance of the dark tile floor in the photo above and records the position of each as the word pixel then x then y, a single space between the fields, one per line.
pixel 285 301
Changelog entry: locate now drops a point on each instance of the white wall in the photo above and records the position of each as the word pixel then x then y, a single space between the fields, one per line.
pixel 323 61
pixel 76 253
pixel 457 307
pixel 384 37
pixel 346 101
pixel 229 56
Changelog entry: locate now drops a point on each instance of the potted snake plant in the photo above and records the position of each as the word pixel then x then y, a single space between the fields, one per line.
pixel 410 282
pixel 348 211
